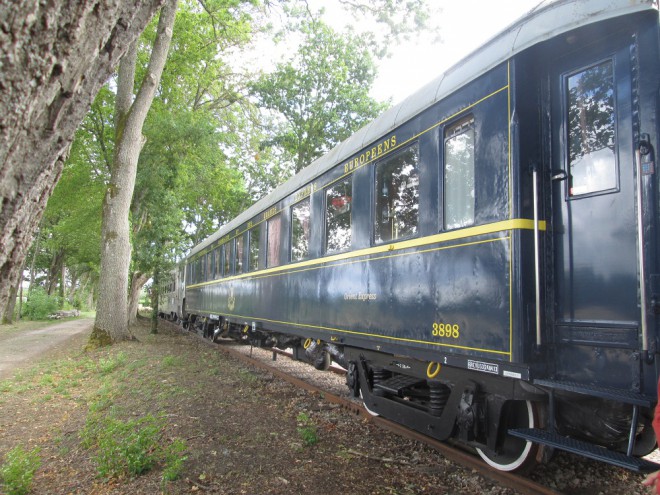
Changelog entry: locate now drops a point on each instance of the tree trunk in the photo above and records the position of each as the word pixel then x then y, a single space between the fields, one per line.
pixel 71 295
pixel 19 314
pixel 55 58
pixel 137 282
pixel 111 324
pixel 55 272
pixel 62 294
pixel 8 315
pixel 33 269
pixel 155 296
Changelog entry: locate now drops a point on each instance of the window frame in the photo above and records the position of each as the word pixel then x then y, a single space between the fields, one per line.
pixel 450 131
pixel 327 188
pixel 217 255
pixel 239 254
pixel 376 194
pixel 307 255
pixel 565 96
pixel 270 262
pixel 228 265
pixel 253 263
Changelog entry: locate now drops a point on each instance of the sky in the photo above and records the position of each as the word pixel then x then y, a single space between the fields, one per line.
pixel 464 25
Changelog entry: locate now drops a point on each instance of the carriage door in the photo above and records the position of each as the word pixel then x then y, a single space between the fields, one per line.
pixel 596 310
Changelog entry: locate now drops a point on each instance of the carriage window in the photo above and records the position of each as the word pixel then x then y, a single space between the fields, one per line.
pixel 300 230
pixel 218 262
pixel 591 118
pixel 210 267
pixel 338 216
pixel 459 198
pixel 397 196
pixel 254 248
pixel 274 227
pixel 228 258
pixel 239 254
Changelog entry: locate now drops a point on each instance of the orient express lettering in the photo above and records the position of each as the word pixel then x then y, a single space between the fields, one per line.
pixel 270 213
pixel 371 154
pixel 360 296
pixel 303 193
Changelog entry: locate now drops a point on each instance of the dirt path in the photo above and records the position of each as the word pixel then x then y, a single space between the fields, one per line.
pixel 24 347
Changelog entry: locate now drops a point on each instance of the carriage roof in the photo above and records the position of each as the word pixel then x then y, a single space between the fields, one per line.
pixel 545 21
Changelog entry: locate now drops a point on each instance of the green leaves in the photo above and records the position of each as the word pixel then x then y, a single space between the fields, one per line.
pixel 320 96
pixel 18 469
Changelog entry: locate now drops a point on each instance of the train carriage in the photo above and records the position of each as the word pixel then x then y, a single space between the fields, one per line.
pixel 171 293
pixel 482 258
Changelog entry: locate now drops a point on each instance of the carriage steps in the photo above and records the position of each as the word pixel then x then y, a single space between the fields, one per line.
pixel 585 449
pixel 618 395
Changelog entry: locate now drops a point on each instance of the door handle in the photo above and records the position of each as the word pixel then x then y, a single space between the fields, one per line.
pixel 559 175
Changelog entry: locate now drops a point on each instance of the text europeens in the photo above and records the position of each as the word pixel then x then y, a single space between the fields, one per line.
pixel 371 154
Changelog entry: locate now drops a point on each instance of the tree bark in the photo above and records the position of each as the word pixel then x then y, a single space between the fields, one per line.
pixel 73 290
pixel 111 324
pixel 33 269
pixel 155 301
pixel 54 58
pixel 8 315
pixel 137 282
pixel 55 272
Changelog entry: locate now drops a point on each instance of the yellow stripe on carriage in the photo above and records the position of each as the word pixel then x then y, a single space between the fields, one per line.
pixel 389 249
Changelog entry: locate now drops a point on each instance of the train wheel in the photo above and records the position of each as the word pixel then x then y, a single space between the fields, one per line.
pixel 323 361
pixel 514 454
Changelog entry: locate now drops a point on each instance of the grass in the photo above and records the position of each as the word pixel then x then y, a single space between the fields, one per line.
pixel 18 468
pixel 124 448
pixel 112 363
pixel 172 362
pixel 120 444
pixel 307 429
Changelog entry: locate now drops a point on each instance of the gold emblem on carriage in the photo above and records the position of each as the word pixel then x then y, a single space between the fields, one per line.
pixel 231 302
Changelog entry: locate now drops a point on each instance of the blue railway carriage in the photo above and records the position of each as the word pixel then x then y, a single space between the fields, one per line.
pixel 482 258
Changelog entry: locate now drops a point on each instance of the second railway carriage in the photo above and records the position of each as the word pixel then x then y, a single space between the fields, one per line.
pixel 482 258
pixel 171 294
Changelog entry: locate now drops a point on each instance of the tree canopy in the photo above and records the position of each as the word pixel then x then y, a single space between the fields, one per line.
pixel 320 96
pixel 219 134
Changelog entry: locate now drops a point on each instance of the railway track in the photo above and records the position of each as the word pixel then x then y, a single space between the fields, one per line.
pixel 267 360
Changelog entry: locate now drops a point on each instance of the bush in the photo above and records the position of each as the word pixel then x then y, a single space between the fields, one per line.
pixel 307 430
pixel 133 447
pixel 128 448
pixel 40 305
pixel 18 470
pixel 174 459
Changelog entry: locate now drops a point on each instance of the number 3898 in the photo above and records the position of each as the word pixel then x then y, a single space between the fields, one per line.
pixel 446 330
